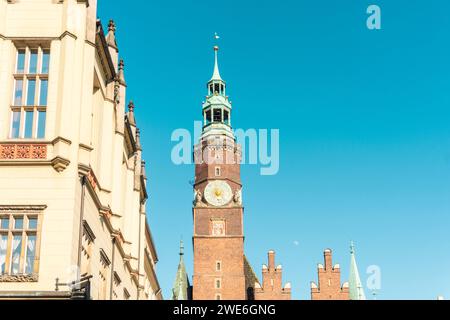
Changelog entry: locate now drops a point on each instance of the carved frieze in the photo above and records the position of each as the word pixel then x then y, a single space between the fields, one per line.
pixel 23 151
pixel 18 277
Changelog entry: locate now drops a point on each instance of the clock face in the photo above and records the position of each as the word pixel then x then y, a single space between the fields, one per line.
pixel 218 193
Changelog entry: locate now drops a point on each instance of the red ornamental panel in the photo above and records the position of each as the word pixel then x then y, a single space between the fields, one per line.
pixel 23 151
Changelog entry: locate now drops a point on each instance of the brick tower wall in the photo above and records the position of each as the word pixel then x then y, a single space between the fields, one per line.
pixel 227 250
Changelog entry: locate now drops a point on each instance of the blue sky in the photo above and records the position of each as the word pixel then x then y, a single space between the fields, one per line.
pixel 364 119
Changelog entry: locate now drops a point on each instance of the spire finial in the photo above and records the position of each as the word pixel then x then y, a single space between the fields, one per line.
pixel 352 247
pixel 181 248
pixel 216 73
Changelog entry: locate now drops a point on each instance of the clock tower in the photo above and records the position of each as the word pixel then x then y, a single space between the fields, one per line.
pixel 217 207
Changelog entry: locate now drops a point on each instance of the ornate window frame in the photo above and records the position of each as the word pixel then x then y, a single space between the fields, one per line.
pixel 23 211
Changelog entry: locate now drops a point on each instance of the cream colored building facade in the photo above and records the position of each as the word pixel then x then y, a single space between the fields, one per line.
pixel 72 177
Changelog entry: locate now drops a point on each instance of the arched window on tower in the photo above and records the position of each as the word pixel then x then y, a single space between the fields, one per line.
pixel 217 115
pixel 208 117
pixel 226 118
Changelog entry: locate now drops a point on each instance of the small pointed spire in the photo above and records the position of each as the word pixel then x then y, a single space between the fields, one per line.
pixel 181 283
pixel 216 73
pixel 181 248
pixel 356 289
pixel 138 139
pixel 131 118
pixel 111 36
pixel 121 75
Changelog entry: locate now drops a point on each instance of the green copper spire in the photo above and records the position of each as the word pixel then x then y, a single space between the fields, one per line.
pixel 355 286
pixel 181 284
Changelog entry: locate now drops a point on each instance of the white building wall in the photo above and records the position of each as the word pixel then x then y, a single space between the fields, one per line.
pixel 84 133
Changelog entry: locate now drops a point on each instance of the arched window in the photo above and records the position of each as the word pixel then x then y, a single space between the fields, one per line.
pixel 217 115
pixel 226 118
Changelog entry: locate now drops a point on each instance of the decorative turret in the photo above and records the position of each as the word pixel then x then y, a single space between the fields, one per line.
pixel 131 118
pixel 217 108
pixel 112 44
pixel 120 74
pixel 111 36
pixel 181 284
pixel 138 139
pixel 143 172
pixel 356 289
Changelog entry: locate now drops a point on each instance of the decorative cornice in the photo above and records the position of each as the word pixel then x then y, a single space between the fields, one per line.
pixel 209 178
pixel 86 147
pixel 25 141
pixel 83 169
pixel 67 33
pixel 217 237
pixel 32 162
pixel 60 163
pixel 92 44
pixel 26 207
pixel 61 139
